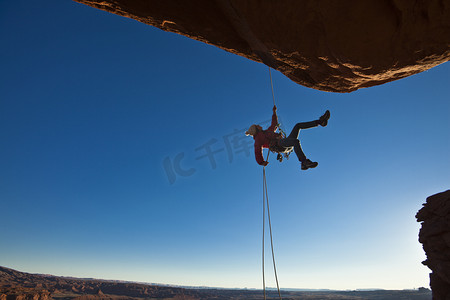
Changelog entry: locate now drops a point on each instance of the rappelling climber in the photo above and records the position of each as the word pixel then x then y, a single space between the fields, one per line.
pixel 275 141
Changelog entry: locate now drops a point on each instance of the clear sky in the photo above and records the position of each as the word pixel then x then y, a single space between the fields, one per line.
pixel 104 127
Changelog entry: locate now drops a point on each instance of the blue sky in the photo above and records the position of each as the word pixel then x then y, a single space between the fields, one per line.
pixel 92 106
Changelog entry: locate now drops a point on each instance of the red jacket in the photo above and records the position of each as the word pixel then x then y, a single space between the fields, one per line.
pixel 263 139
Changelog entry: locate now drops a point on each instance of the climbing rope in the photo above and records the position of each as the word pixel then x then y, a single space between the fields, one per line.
pixel 273 99
pixel 264 230
pixel 266 203
pixel 271 85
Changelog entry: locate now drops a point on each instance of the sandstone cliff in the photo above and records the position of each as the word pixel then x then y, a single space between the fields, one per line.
pixel 435 237
pixel 336 46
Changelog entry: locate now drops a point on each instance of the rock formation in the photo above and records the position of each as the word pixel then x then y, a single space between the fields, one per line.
pixel 435 237
pixel 335 46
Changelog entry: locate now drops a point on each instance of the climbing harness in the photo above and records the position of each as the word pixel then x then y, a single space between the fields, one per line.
pixel 279 150
pixel 266 204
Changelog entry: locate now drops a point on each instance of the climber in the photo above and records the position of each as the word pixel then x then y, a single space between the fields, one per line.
pixel 275 141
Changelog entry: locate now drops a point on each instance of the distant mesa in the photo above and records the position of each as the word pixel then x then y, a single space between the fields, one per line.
pixel 435 238
pixel 328 45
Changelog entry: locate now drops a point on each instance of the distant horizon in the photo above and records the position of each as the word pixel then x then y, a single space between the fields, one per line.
pixel 212 287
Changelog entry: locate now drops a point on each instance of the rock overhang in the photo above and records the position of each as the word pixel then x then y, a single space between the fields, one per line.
pixel 334 46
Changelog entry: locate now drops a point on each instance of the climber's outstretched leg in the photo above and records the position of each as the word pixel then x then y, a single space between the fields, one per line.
pixel 322 121
pixel 292 139
pixel 303 125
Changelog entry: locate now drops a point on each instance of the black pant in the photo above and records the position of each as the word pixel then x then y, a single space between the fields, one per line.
pixel 292 139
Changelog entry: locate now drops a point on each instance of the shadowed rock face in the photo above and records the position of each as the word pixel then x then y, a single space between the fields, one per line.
pixel 335 46
pixel 435 237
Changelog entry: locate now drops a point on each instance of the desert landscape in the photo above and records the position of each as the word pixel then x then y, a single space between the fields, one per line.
pixel 15 285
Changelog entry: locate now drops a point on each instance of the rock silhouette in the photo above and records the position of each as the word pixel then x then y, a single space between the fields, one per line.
pixel 335 46
pixel 435 238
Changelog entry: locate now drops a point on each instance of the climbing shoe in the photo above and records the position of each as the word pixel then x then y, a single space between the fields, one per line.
pixel 323 120
pixel 309 164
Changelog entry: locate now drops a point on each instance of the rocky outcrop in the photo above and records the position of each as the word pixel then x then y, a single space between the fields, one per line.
pixel 435 237
pixel 336 46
